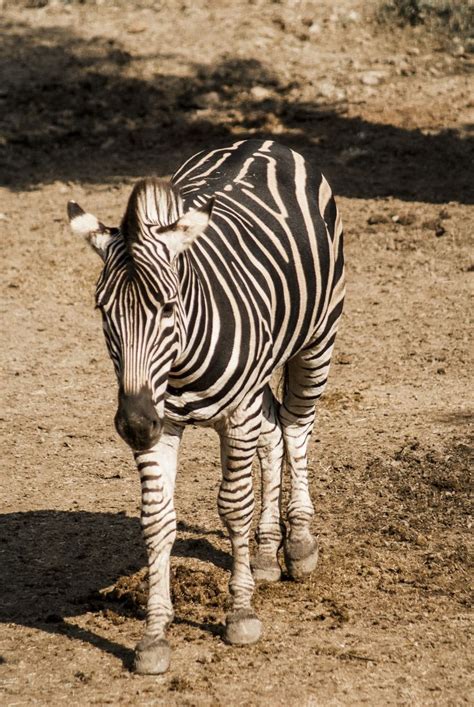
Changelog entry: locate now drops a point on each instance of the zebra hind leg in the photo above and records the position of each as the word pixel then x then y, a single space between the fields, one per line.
pixel 306 379
pixel 239 436
pixel 271 530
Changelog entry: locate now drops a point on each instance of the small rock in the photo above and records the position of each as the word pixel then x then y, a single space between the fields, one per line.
pixel 206 658
pixel 353 16
pixel 413 51
pixel 436 226
pixel 136 29
pixel 405 69
pixel 3 217
pixel 444 214
pixel 343 360
pixel 406 219
pixel 314 28
pixel 207 100
pixel 260 93
pixel 377 218
pixel 372 78
pixel 326 89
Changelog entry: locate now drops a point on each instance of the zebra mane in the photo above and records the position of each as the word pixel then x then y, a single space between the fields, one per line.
pixel 153 202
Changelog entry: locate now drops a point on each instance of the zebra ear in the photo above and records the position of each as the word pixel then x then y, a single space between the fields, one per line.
pixel 90 228
pixel 188 227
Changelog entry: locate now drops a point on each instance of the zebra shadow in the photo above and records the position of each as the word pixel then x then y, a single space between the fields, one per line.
pixel 54 564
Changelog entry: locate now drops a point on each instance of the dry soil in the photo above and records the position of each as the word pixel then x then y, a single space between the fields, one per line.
pixel 94 95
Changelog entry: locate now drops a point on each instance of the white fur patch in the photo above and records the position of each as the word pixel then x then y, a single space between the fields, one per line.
pixel 84 225
pixel 100 241
pixel 195 221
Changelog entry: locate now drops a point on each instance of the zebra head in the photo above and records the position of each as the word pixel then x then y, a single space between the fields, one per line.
pixel 139 296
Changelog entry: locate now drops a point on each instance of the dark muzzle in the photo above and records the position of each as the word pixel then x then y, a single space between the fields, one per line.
pixel 137 421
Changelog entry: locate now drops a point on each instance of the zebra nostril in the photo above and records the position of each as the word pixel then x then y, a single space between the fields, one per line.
pixel 155 426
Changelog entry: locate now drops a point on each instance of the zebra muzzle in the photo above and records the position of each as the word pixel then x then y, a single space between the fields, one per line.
pixel 136 420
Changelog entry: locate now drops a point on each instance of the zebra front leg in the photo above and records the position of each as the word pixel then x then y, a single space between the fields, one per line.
pixel 271 529
pixel 239 435
pixel 157 468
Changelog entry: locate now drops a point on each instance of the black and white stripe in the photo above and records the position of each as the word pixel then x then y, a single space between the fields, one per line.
pixel 214 280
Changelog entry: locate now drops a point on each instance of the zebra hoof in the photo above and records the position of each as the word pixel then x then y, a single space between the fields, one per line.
pixel 266 569
pixel 152 656
pixel 242 628
pixel 301 557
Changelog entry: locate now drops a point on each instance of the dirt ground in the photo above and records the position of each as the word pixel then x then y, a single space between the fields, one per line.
pixel 94 95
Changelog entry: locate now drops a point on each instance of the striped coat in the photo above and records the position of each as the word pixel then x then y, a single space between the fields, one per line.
pixel 212 281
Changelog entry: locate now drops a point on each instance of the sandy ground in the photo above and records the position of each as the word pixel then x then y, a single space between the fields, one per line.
pixel 92 96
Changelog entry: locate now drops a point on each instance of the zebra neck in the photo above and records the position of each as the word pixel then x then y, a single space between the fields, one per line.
pixel 200 319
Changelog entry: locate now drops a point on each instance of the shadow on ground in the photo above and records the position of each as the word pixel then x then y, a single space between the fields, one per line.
pixel 72 111
pixel 54 564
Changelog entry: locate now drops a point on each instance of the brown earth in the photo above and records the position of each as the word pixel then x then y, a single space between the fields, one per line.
pixel 94 95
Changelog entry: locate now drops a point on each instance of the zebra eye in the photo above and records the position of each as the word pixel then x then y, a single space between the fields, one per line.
pixel 167 309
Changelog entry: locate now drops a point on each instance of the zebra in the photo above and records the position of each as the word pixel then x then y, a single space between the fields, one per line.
pixel 215 279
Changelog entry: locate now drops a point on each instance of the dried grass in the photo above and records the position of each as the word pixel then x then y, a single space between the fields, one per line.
pixel 454 17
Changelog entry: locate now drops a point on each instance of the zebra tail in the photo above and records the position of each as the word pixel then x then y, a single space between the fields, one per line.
pixel 280 383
